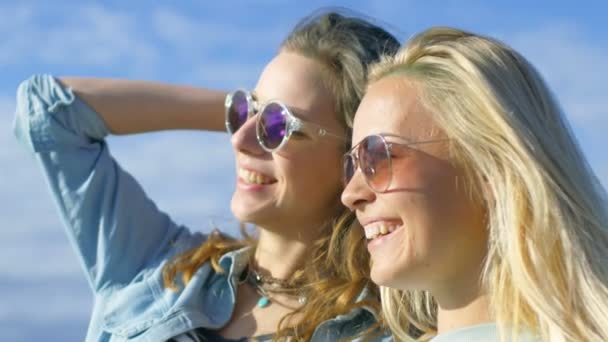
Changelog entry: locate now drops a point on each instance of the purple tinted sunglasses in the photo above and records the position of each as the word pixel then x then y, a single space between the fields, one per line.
pixel 274 124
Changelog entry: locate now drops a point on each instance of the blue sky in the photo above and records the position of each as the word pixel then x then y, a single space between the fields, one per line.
pixel 220 44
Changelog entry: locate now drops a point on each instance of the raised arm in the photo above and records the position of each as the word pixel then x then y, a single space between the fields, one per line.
pixel 129 106
pixel 116 230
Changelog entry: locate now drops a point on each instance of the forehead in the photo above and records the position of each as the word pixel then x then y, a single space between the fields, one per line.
pixel 391 105
pixel 297 81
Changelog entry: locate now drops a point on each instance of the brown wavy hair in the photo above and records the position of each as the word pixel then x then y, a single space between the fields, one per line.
pixel 345 45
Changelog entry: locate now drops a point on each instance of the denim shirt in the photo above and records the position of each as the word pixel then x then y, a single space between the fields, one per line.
pixel 121 238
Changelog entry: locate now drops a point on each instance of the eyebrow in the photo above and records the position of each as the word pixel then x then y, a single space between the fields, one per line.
pixel 295 111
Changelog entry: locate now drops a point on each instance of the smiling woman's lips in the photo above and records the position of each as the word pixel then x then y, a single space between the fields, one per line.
pixel 253 177
pixel 379 241
pixel 380 228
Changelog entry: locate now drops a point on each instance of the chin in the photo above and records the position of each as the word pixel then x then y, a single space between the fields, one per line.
pixel 249 211
pixel 388 276
pixel 380 278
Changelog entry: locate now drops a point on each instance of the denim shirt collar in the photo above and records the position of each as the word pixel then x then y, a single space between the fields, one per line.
pixel 235 261
pixel 216 294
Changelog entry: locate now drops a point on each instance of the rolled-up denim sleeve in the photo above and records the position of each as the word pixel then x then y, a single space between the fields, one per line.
pixel 115 228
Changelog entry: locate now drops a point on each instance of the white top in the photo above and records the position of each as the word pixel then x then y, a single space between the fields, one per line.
pixel 479 333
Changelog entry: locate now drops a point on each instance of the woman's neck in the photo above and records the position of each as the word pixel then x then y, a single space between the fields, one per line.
pixel 279 255
pixel 462 305
pixel 473 313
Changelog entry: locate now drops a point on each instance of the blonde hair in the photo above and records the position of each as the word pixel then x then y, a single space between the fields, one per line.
pixel 546 269
pixel 345 46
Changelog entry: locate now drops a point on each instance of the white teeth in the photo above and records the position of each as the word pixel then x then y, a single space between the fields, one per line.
pixel 371 232
pixel 374 230
pixel 253 177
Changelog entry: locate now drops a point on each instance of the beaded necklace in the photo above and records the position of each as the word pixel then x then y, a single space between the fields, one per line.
pixel 267 286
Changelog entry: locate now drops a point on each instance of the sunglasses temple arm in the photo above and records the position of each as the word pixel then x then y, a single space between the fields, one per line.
pixel 314 129
pixel 322 132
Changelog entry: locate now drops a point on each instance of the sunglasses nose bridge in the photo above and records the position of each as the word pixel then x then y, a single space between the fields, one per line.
pixel 255 107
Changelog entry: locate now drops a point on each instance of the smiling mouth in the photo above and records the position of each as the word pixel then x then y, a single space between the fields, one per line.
pixel 252 177
pixel 379 229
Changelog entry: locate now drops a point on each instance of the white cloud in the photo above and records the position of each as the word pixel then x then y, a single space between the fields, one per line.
pixel 180 30
pixel 203 36
pixel 30 251
pixel 89 35
pixel 7 108
pixel 391 9
pixel 574 66
pixel 99 37
pixel 227 75
pixel 56 298
pixel 13 46
pixel 208 51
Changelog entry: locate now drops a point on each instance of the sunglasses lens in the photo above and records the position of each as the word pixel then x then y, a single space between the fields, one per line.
pixel 375 162
pixel 349 168
pixel 237 111
pixel 272 125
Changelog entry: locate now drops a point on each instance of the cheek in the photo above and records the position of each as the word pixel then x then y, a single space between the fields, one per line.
pixel 438 201
pixel 454 206
pixel 422 226
pixel 434 192
pixel 451 231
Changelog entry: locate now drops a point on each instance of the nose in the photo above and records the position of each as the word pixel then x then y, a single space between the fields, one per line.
pixel 357 194
pixel 245 140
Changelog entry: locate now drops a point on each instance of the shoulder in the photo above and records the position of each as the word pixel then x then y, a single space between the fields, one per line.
pixel 360 324
pixel 482 333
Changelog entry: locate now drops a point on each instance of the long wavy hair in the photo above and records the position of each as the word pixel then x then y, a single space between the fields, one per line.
pixel 546 269
pixel 345 46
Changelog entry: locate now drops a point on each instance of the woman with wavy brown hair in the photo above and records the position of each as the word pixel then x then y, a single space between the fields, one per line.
pixel 155 280
pixel 484 219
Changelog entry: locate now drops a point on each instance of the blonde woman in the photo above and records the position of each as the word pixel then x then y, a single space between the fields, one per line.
pixel 155 280
pixel 483 218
